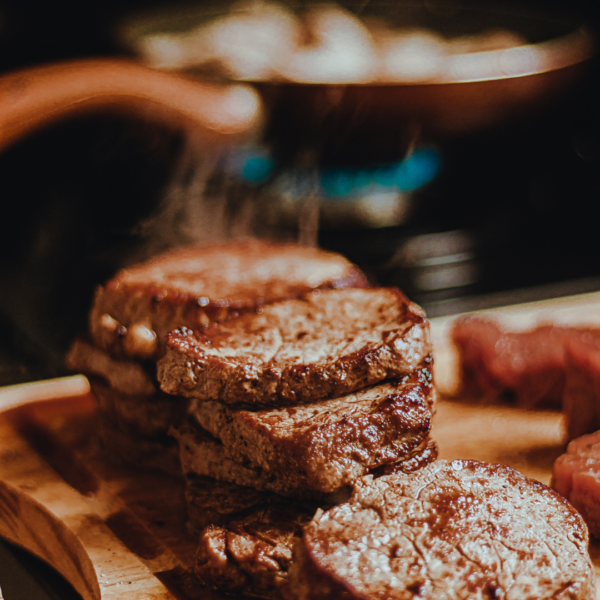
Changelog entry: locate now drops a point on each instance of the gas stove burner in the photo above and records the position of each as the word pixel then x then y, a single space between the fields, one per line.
pixel 378 196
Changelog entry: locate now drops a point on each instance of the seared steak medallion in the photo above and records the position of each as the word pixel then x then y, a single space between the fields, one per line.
pixel 452 531
pixel 326 445
pixel 194 286
pixel 253 554
pixel 247 536
pixel 324 345
pixel 202 454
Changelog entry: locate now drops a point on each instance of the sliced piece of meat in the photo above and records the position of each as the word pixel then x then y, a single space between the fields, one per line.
pixel 425 454
pixel 202 454
pixel 125 376
pixel 132 314
pixel 253 554
pixel 298 351
pixel 581 397
pixel 460 530
pixel 145 416
pixel 528 365
pixel 327 445
pixel 213 502
pixel 576 476
pixel 247 542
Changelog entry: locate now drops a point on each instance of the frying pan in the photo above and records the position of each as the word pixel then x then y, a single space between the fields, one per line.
pixel 373 121
pixel 34 97
pixel 341 122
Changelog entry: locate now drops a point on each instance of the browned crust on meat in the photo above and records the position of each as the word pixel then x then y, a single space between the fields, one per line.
pixel 253 554
pixel 202 454
pixel 326 445
pixel 213 502
pixel 192 287
pixel 299 351
pixel 472 529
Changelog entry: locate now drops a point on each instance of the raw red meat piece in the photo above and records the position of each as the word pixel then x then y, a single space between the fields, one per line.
pixel 581 397
pixel 576 476
pixel 530 365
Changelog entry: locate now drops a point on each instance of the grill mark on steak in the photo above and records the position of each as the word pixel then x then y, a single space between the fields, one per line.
pixel 350 339
pixel 468 529
pixel 329 444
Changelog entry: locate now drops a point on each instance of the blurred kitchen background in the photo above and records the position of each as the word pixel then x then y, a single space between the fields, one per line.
pixel 499 214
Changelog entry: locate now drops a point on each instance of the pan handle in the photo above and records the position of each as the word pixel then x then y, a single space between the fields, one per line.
pixel 34 97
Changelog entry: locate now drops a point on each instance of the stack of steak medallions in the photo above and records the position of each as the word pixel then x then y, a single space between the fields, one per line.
pixel 301 401
pixel 192 287
pixel 291 406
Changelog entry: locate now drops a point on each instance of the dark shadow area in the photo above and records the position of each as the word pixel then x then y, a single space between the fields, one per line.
pixel 23 576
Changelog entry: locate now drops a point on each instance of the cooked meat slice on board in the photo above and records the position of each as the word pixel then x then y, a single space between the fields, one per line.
pixel 252 555
pixel 528 365
pixel 459 530
pixel 576 476
pixel 201 454
pixel 212 502
pixel 132 314
pixel 426 453
pixel 326 445
pixel 297 351
pixel 246 536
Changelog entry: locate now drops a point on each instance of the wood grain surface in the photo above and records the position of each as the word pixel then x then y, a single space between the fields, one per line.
pixel 117 532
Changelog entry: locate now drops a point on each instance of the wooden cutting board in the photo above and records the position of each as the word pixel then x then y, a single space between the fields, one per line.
pixel 117 532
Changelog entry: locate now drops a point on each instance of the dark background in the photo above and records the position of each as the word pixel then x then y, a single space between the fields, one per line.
pixel 527 193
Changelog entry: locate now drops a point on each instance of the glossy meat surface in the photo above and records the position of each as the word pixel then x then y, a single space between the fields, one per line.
pixel 326 445
pixel 298 351
pixel 253 554
pixel 247 536
pixel 460 530
pixel 202 454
